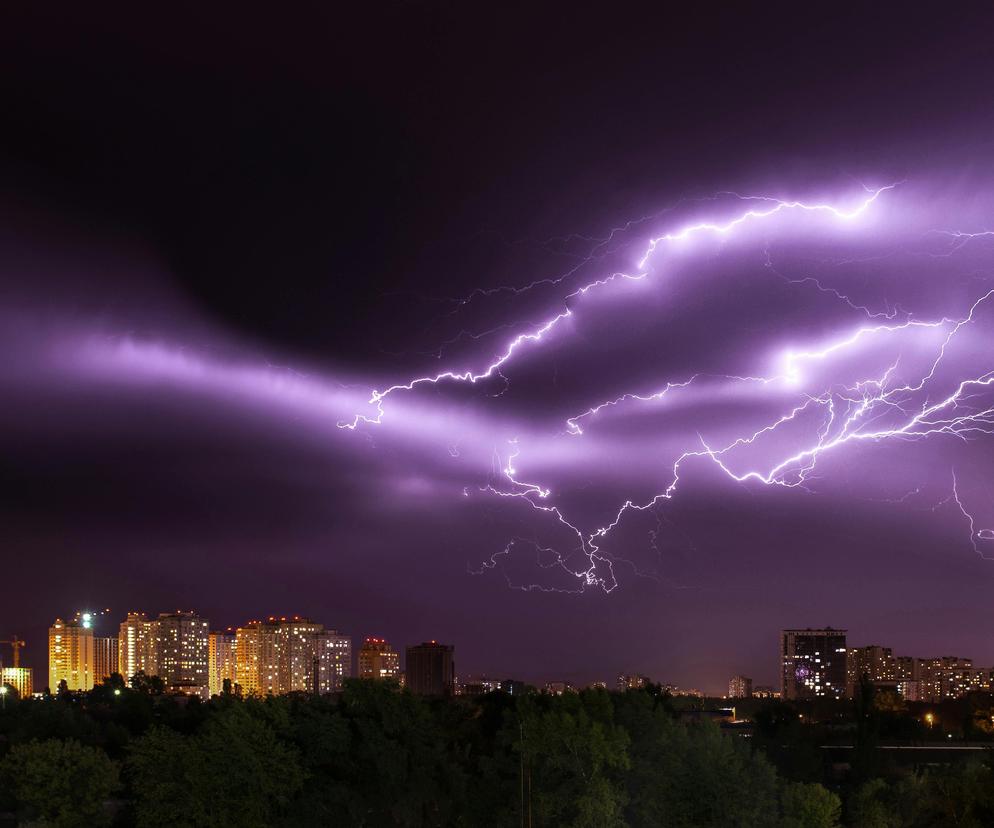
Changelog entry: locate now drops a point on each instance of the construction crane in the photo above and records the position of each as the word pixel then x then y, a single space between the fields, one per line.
pixel 15 644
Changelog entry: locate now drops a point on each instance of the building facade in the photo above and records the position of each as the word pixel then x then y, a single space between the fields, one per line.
pixel 20 678
pixel 287 655
pixel 813 664
pixel 221 657
pixel 70 655
pixel 430 669
pixel 309 658
pixel 255 658
pixel 136 646
pixel 740 687
pixel 181 650
pixel 874 663
pixel 106 654
pixel 378 660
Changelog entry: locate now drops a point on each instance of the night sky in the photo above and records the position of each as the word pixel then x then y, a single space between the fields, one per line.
pixel 224 234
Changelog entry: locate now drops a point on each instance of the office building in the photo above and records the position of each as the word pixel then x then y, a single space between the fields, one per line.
pixel 377 659
pixel 181 652
pixel 813 663
pixel 105 658
pixel 740 687
pixel 70 654
pixel 221 660
pixel 430 669
pixel 20 678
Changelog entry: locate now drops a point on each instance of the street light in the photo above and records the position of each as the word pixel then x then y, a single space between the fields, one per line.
pixel 929 719
pixel 3 696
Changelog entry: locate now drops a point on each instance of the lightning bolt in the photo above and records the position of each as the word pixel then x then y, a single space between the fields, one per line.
pixel 975 534
pixel 873 409
pixel 539 334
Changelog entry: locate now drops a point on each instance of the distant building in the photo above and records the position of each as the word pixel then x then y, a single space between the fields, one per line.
pixel 105 658
pixel 874 663
pixel 513 687
pixel 70 655
pixel 478 686
pixel 136 646
pixel 220 661
pixel 377 659
pixel 430 669
pixel 631 682
pixel 764 692
pixel 309 658
pixel 687 691
pixel 948 677
pixel 740 687
pixel 20 678
pixel 297 656
pixel 290 655
pixel 558 688
pixel 255 658
pixel 182 648
pixel 813 663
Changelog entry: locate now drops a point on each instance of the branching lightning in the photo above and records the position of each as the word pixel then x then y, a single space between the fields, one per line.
pixel 893 403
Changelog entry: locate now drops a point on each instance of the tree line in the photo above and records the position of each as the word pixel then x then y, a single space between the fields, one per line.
pixel 373 755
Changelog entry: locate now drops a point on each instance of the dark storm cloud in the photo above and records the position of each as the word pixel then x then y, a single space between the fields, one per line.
pixel 219 238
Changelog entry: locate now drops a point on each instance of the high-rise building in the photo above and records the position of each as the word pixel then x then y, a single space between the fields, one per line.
pixel 20 678
pixel 946 677
pixel 255 658
pixel 813 663
pixel 309 658
pixel 221 655
pixel 377 659
pixel 136 646
pixel 181 640
pixel 740 687
pixel 286 655
pixel 874 663
pixel 430 669
pixel 105 658
pixel 70 654
pixel 298 653
pixel 334 660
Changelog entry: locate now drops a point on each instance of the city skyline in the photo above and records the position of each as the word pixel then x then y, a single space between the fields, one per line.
pixel 931 675
pixel 587 366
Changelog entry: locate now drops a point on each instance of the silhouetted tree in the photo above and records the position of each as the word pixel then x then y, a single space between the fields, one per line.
pixel 62 783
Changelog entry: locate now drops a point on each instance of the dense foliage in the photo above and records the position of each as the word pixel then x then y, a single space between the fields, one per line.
pixel 375 756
